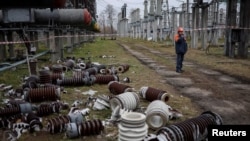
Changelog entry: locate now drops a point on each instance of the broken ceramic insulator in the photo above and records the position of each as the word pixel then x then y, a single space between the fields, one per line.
pixel 127 100
pixel 104 79
pixel 191 129
pixel 118 88
pixel 157 114
pixel 152 94
pixel 34 122
pixel 87 128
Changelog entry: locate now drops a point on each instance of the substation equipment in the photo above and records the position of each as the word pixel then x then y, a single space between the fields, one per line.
pixel 60 24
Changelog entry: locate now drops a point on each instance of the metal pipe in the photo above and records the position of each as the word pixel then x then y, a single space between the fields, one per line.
pixel 23 61
pixel 32 3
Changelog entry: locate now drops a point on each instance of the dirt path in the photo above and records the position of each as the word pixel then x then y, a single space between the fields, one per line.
pixel 209 89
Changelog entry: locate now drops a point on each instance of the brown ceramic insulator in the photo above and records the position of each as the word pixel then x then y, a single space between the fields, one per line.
pixel 44 76
pixel 10 111
pixel 123 68
pixel 73 82
pixel 154 94
pixel 33 67
pixel 117 88
pixel 186 130
pixel 105 79
pixel 91 127
pixel 57 124
pixel 57 68
pixel 42 94
pixel 55 77
pixel 47 109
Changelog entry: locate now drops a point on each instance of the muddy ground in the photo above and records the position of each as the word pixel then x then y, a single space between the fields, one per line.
pixel 210 90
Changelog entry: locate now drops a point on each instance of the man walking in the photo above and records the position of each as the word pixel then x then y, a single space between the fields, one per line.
pixel 180 49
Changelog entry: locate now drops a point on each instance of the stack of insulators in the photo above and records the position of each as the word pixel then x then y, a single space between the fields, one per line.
pixel 44 76
pixel 58 124
pixel 43 94
pixel 152 94
pixel 34 122
pixel 190 130
pixel 118 88
pixel 105 79
pixel 87 128
pixel 123 68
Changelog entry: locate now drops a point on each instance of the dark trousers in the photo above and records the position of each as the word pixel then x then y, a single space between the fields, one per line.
pixel 179 60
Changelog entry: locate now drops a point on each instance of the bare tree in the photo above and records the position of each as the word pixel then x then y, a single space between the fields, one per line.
pixel 110 11
pixel 102 20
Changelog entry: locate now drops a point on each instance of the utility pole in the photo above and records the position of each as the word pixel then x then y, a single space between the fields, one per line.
pixel 229 46
pixel 244 23
pixel 146 21
pixel 188 18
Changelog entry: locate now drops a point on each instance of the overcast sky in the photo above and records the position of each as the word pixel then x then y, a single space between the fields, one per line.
pixel 132 4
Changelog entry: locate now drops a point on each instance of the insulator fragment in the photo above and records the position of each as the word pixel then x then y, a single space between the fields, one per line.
pixel 34 122
pixel 152 94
